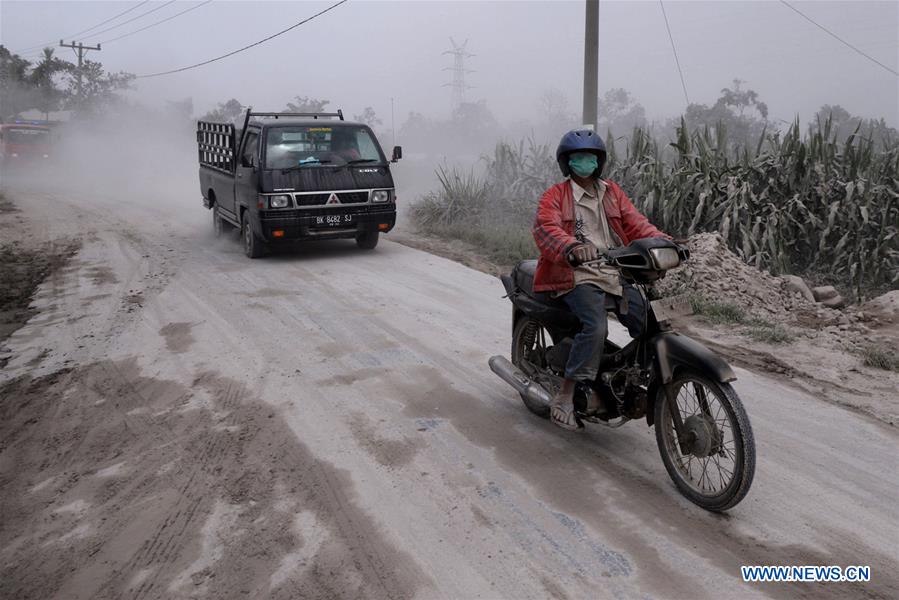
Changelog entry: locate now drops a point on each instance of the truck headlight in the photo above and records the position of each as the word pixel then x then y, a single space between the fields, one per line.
pixel 380 196
pixel 279 201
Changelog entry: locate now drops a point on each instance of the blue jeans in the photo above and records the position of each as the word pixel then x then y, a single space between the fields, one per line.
pixel 589 304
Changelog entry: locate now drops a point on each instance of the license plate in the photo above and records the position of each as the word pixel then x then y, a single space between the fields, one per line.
pixel 666 309
pixel 333 220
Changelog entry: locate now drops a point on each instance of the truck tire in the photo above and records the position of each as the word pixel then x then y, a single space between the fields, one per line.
pixel 218 226
pixel 368 239
pixel 253 247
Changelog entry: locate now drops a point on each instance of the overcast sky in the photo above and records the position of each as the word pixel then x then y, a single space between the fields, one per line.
pixel 365 52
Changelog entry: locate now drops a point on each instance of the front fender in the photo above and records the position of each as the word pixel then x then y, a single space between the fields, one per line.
pixel 674 351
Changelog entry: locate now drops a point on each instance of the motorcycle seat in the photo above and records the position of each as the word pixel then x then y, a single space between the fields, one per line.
pixel 523 275
pixel 541 304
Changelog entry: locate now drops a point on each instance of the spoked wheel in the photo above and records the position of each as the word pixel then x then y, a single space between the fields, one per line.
pixel 714 463
pixel 528 354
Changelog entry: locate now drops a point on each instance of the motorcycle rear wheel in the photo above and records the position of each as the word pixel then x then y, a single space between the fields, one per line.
pixel 719 433
pixel 526 349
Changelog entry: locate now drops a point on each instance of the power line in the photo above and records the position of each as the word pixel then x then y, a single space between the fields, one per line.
pixel 262 41
pixel 835 36
pixel 144 14
pixel 71 35
pixel 157 22
pixel 674 49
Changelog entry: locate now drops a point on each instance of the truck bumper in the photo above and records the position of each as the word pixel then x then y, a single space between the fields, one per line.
pixel 296 225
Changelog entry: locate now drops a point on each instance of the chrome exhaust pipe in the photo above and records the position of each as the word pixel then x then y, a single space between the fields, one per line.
pixel 518 380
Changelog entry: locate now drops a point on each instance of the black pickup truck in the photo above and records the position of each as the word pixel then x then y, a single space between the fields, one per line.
pixel 296 176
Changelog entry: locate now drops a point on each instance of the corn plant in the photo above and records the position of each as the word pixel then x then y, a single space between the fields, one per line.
pixel 788 203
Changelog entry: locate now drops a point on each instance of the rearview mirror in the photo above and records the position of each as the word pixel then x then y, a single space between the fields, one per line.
pixel 397 153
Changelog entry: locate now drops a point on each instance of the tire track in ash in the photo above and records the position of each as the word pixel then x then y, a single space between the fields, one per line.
pixel 169 539
pixel 146 528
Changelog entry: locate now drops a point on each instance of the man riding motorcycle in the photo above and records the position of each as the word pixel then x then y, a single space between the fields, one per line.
pixel 577 220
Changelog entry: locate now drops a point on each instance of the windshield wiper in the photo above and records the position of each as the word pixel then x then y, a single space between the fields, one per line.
pixel 356 161
pixel 301 165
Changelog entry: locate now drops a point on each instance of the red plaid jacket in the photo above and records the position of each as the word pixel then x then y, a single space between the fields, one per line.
pixel 554 231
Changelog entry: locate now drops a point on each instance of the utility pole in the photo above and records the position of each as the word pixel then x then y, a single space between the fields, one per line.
pixel 392 121
pixel 459 54
pixel 80 49
pixel 591 62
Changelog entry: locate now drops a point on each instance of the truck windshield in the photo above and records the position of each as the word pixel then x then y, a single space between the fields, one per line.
pixel 23 135
pixel 288 147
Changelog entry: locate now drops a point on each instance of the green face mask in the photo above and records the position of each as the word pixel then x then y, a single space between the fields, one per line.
pixel 583 164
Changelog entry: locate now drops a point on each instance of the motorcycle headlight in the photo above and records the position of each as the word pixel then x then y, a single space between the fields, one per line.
pixel 380 196
pixel 664 258
pixel 279 201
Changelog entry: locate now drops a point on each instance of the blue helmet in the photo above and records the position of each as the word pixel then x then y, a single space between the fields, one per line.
pixel 581 140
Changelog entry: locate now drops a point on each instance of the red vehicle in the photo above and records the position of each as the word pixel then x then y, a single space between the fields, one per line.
pixel 24 141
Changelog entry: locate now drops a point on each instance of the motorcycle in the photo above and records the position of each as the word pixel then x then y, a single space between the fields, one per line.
pixel 675 383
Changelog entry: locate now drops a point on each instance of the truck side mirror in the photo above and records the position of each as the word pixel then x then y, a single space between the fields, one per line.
pixel 397 153
pixel 246 161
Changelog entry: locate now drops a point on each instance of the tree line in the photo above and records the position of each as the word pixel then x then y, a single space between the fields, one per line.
pixel 50 83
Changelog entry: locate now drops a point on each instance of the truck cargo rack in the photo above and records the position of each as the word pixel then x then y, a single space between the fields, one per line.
pixel 304 115
pixel 216 145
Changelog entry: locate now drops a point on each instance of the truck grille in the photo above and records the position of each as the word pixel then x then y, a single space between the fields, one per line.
pixel 321 199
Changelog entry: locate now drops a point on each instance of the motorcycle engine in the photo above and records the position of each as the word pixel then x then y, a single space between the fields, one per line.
pixel 626 386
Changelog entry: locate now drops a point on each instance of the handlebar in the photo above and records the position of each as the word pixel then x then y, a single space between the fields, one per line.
pixel 605 259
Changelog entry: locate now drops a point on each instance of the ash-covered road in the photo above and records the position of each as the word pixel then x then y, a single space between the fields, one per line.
pixel 322 423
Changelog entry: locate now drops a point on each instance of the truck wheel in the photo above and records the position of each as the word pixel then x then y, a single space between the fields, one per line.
pixel 218 227
pixel 367 240
pixel 253 247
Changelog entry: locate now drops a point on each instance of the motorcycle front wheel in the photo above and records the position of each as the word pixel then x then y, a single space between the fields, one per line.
pixel 713 465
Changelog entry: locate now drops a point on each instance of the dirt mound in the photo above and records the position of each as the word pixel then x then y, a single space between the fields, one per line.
pixel 883 309
pixel 717 274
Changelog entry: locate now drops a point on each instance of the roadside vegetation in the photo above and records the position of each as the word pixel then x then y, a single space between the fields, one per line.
pixel 809 204
pixel 727 313
pixel 879 356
